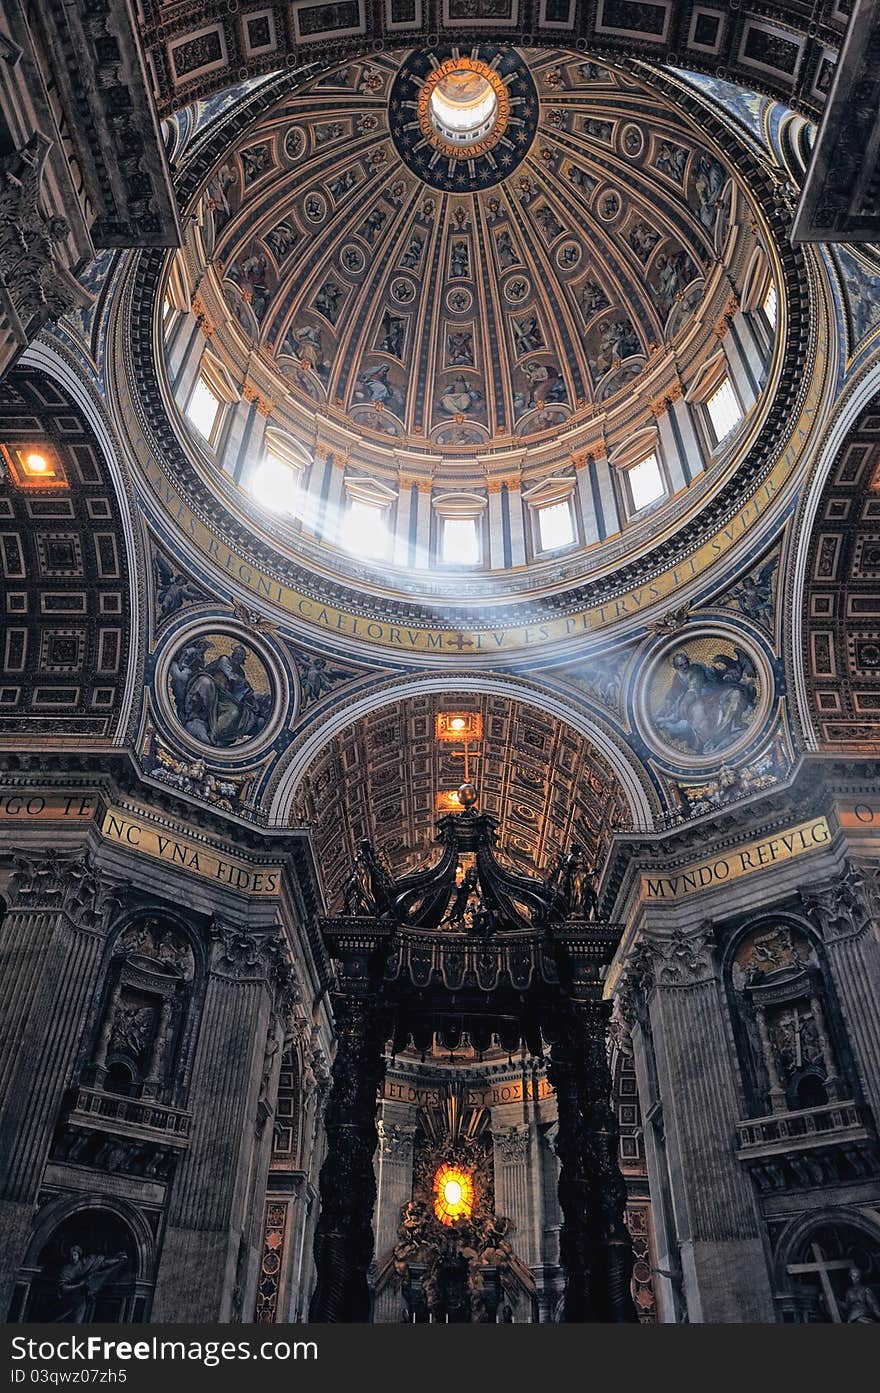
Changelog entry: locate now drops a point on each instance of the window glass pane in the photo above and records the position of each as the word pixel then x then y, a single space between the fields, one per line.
pixel 771 305
pixel 646 482
pixel 203 408
pixel 275 484
pixel 460 543
pixel 555 525
pixel 363 529
pixel 724 410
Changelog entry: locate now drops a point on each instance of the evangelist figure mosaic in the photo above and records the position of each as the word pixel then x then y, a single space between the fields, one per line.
pixel 703 698
pixel 221 690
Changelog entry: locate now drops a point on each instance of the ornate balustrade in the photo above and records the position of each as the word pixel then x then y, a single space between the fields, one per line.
pixel 130 1117
pixel 783 1132
pixel 830 1145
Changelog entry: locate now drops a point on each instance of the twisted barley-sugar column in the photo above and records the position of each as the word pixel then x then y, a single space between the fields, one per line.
pixel 595 1247
pixel 344 1234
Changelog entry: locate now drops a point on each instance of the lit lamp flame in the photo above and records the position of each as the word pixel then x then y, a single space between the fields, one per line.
pixel 453 1194
pixel 36 464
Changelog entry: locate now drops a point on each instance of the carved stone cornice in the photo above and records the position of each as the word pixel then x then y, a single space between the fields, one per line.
pixel 100 77
pixel 840 908
pixel 35 285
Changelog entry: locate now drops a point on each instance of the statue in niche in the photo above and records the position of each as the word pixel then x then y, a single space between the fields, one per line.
pixel 81 1277
pixel 776 971
pixel 707 708
pixel 216 701
pixel 770 950
pixel 150 938
pixel 131 1029
pixel 794 1036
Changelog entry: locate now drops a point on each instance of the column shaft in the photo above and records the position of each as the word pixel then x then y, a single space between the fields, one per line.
pixel 344 1236
pixel 725 1272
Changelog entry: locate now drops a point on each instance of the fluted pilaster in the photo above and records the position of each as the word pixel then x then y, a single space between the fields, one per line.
pixel 724 1272
pixel 207 1210
pixel 50 952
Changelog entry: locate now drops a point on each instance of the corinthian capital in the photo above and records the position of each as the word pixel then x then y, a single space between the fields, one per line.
pixel 53 880
pixel 682 959
pixel 841 907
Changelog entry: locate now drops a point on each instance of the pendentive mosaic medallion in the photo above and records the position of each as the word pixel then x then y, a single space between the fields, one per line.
pixel 703 695
pixel 220 689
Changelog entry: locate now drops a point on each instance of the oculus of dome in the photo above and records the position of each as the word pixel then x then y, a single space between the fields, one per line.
pixel 463 108
pixel 463 123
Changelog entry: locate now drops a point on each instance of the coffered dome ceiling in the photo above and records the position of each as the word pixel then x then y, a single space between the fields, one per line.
pixel 448 295
pixel 481 275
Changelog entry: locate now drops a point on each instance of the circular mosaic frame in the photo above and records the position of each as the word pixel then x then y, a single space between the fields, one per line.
pixel 689 637
pixel 244 753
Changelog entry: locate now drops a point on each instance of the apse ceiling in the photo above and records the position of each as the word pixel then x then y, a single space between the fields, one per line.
pixel 455 298
pixel 384 776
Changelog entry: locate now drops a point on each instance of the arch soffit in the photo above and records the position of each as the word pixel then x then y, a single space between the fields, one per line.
pixel 794 645
pixel 631 773
pixel 48 359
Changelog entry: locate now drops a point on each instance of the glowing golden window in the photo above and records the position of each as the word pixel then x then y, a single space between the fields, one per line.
pixel 458 725
pixel 453 1194
pixel 34 466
